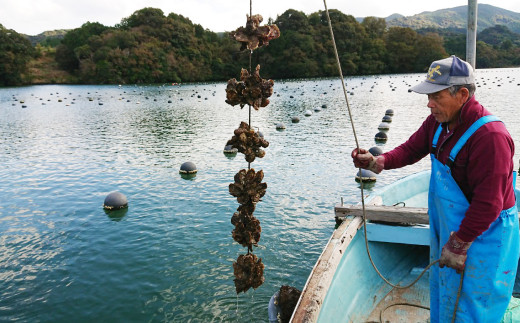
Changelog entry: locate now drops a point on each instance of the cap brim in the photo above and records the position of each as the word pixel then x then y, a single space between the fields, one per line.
pixel 428 88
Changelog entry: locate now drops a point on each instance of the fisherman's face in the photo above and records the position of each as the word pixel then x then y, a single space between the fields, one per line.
pixel 445 107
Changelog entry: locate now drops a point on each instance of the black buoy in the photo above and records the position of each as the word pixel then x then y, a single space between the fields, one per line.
pixel 383 126
pixel 188 168
pixel 387 119
pixel 295 120
pixel 381 137
pixel 375 151
pixel 389 112
pixel 366 176
pixel 115 201
pixel 324 106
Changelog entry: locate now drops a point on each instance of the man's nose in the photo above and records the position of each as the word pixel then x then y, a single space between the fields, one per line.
pixel 430 104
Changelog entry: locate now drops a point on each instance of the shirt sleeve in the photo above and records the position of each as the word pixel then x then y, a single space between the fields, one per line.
pixel 489 177
pixel 413 150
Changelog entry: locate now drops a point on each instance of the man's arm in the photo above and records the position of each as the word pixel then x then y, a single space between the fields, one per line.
pixel 414 149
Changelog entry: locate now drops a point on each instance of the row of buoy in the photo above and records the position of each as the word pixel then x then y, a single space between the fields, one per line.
pixel 91 98
pixel 296 119
pixel 381 136
pixel 366 175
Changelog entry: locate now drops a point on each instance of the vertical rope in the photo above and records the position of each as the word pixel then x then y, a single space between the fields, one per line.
pixel 361 180
pixel 250 71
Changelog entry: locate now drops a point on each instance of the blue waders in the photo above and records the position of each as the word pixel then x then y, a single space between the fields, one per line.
pixel 492 258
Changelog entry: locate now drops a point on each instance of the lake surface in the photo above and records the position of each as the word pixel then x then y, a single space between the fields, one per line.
pixel 169 256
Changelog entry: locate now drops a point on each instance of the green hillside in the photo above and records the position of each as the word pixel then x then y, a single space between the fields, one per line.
pixel 488 16
pixel 150 46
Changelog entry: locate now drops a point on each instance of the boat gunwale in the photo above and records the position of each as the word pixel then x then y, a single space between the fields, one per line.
pixel 308 307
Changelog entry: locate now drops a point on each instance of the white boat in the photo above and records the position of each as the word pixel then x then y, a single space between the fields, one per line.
pixel 343 285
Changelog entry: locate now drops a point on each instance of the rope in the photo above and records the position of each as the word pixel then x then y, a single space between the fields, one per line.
pixel 458 298
pixel 361 180
pixel 250 71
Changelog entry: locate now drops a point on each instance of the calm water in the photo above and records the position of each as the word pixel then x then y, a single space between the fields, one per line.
pixel 169 256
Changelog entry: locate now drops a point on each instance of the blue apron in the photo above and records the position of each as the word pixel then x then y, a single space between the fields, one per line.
pixel 492 258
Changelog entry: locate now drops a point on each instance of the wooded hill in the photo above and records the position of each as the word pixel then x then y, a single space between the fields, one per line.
pixel 150 47
pixel 457 18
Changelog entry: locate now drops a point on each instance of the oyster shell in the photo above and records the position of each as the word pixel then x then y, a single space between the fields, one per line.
pixel 248 142
pixel 249 272
pixel 248 186
pixel 253 35
pixel 251 89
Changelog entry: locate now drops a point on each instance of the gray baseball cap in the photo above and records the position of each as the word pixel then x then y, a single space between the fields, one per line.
pixel 444 73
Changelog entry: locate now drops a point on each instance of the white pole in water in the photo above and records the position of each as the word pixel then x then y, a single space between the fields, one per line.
pixel 471 37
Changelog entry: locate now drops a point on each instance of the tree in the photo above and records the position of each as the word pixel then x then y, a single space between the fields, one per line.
pixel 373 47
pixel 65 52
pixel 151 17
pixel 15 53
pixel 429 48
pixel 400 46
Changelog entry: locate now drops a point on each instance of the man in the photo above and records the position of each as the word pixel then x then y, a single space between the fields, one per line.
pixel 471 201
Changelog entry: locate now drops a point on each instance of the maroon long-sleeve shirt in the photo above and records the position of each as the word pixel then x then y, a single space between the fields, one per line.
pixel 483 168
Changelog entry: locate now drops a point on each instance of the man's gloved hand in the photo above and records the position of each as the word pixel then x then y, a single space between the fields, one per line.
pixel 364 159
pixel 454 253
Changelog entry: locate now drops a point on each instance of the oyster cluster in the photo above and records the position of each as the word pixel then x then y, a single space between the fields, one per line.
pixel 287 299
pixel 251 89
pixel 249 272
pixel 248 189
pixel 248 142
pixel 248 186
pixel 247 230
pixel 253 35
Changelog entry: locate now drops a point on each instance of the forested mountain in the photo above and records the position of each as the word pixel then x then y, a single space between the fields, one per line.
pixel 488 16
pixel 151 47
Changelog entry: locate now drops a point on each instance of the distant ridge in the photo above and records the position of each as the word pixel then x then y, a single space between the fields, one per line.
pixel 488 16
pixel 394 16
pixel 51 34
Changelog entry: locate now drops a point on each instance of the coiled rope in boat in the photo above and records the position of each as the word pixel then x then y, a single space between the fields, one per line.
pixel 363 195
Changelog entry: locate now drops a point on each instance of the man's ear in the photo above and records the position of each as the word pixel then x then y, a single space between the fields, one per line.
pixel 464 93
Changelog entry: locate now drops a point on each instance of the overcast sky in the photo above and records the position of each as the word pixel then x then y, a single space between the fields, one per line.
pixel 35 16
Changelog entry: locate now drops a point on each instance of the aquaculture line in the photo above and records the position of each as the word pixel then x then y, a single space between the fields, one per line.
pixel 248 188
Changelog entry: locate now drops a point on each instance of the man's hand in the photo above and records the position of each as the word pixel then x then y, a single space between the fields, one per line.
pixel 364 159
pixel 454 253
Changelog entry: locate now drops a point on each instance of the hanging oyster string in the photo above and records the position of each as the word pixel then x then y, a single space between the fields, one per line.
pixel 248 187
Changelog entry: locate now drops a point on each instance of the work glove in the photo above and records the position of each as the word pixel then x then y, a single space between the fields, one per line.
pixel 364 159
pixel 454 253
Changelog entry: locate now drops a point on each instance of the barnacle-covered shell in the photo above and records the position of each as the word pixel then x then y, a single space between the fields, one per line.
pixel 248 142
pixel 247 230
pixel 253 35
pixel 251 89
pixel 249 272
pixel 248 186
